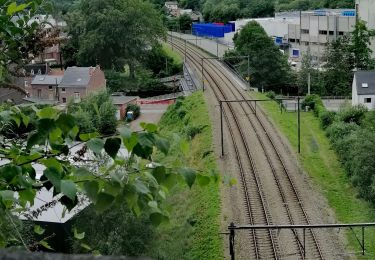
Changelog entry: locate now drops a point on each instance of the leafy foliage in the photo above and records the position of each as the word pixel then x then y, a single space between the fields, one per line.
pixel 95 113
pixel 108 178
pixel 134 26
pixel 268 66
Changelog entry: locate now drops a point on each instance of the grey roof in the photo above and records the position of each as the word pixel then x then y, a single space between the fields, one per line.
pixel 46 80
pixel 365 77
pixel 119 100
pixel 76 77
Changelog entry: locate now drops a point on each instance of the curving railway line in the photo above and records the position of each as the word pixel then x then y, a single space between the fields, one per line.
pixel 263 184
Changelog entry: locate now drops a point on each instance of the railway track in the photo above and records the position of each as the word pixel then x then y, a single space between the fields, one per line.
pixel 289 196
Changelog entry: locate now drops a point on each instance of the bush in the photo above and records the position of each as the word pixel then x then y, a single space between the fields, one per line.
pixel 107 118
pixel 312 101
pixel 136 110
pixel 84 122
pixel 354 114
pixel 340 130
pixel 271 94
pixel 192 131
pixel 327 118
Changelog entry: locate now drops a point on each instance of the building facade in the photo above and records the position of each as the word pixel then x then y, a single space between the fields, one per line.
pixel 316 29
pixel 363 89
pixel 366 12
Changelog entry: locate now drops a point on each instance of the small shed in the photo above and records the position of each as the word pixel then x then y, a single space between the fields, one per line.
pixel 121 102
pixel 363 89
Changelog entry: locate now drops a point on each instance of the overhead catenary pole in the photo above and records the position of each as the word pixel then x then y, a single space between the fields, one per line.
pixel 221 128
pixel 185 51
pixel 308 83
pixel 299 124
pixel 248 70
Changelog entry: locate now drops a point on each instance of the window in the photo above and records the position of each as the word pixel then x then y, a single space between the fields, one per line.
pixel 364 85
pixel 50 87
pixel 307 43
pixel 331 33
pixel 323 32
pixel 39 93
pixel 62 90
pixel 26 84
pixel 305 31
pixel 341 33
pixel 64 100
pixel 32 72
pixel 77 97
pixel 367 100
pixel 292 40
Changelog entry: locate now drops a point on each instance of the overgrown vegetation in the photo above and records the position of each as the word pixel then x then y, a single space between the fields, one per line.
pixel 95 113
pixel 194 227
pixel 322 163
pixel 192 231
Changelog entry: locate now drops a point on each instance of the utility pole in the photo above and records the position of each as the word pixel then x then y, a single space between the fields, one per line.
pixel 166 66
pixel 217 47
pixel 221 128
pixel 299 124
pixel 308 83
pixel 248 70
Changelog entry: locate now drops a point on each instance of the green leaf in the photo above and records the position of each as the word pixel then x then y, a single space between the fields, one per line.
pixel 38 230
pixel 65 122
pixel 86 137
pixel 85 246
pixel 162 144
pixel 91 189
pixel 189 175
pixel 14 8
pixel 151 128
pixel 27 196
pixel 25 120
pixel 47 112
pixel 45 244
pixel 82 174
pixel 52 163
pixel 112 145
pixel 77 235
pixel 153 204
pixel 158 218
pixel 69 188
pixel 141 187
pixel 185 147
pixel 203 180
pixel 54 177
pixel 159 173
pixel 96 145
pixel 104 201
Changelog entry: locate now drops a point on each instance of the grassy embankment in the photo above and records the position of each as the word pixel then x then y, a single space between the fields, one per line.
pixel 321 163
pixel 194 221
pixel 174 55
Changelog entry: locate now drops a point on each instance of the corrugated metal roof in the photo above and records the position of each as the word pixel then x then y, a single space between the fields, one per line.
pixel 46 80
pixel 365 82
pixel 76 77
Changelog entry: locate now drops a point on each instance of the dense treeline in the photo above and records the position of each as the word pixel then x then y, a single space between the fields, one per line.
pixel 225 10
pixel 352 136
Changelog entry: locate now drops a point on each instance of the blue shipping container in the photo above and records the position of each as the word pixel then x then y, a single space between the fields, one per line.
pixel 208 30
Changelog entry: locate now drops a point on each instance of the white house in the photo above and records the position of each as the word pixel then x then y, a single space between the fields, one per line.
pixel 171 6
pixel 363 91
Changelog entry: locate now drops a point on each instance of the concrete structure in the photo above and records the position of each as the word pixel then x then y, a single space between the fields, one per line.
pixel 363 90
pixel 76 83
pixel 276 27
pixel 366 12
pixel 121 102
pixel 172 8
pixel 317 28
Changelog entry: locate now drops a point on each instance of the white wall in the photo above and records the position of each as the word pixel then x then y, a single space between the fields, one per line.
pixel 366 12
pixel 361 100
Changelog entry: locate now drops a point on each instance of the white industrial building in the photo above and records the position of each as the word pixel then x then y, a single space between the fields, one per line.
pixel 363 89
pixel 366 12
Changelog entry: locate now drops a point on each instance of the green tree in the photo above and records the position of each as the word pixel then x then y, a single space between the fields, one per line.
pixel 338 73
pixel 185 22
pixel 108 179
pixel 18 37
pixel 268 66
pixel 360 41
pixel 115 33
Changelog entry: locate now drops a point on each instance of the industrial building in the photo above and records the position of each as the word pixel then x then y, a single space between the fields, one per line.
pixel 316 29
pixel 366 12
